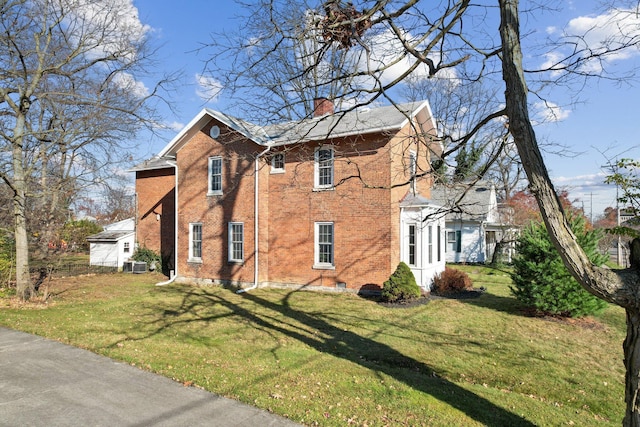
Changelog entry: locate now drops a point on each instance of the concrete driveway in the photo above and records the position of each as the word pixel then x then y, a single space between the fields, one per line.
pixel 46 383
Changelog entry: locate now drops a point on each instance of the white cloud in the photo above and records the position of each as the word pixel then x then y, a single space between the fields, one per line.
pixel 112 25
pixel 208 88
pixel 175 126
pixel 549 112
pixel 387 54
pixel 131 85
pixel 611 36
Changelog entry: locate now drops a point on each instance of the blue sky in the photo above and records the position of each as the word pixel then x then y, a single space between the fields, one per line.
pixel 604 125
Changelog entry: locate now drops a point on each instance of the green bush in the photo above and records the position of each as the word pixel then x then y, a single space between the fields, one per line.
pixel 152 258
pixel 7 264
pixel 542 282
pixel 75 233
pixel 451 281
pixel 401 286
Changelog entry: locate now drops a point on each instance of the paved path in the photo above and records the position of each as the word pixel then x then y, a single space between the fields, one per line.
pixel 46 383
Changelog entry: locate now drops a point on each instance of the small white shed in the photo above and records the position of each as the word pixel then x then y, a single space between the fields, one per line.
pixel 114 245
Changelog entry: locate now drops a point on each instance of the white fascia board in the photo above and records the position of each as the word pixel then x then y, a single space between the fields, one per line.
pixel 198 122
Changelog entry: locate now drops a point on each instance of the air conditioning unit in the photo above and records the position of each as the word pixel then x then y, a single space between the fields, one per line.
pixel 127 266
pixel 139 267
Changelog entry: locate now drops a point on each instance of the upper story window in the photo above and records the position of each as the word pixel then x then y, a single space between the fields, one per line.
pixel 413 169
pixel 127 247
pixel 195 242
pixel 215 175
pixel 277 163
pixel 323 173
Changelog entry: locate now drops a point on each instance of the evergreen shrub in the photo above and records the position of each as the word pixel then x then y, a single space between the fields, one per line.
pixel 451 281
pixel 144 254
pixel 401 285
pixel 542 282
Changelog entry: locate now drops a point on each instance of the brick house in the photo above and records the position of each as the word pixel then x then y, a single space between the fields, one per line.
pixel 332 202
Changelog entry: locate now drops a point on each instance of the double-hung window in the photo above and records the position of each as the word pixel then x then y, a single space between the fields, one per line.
pixel 195 242
pixel 430 243
pixel 438 247
pixel 277 163
pixel 324 245
pixel 215 175
pixel 236 242
pixel 454 243
pixel 413 169
pixel 411 245
pixel 323 173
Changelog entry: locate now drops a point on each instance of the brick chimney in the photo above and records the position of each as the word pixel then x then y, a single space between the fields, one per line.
pixel 322 106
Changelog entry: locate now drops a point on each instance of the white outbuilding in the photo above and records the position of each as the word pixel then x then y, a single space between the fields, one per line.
pixel 114 245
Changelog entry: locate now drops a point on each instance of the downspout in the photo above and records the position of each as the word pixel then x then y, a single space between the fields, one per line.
pixel 175 233
pixel 256 211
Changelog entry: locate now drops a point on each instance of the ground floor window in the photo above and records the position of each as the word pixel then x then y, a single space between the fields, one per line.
pixel 411 245
pixel 236 242
pixel 195 242
pixel 454 243
pixel 324 245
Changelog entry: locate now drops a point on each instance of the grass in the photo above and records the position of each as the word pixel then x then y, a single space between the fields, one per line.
pixel 337 359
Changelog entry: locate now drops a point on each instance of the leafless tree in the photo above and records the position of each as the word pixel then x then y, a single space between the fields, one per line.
pixel 278 63
pixel 70 100
pixel 398 40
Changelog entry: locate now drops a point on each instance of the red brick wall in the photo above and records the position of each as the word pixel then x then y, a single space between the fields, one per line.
pixel 362 216
pixel 236 204
pixel 155 228
pixel 363 206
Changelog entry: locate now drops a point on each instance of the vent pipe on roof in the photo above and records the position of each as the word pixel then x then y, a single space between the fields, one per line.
pixel 322 106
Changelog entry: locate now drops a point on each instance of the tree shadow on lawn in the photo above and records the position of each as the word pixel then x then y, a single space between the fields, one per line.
pixel 485 299
pixel 324 337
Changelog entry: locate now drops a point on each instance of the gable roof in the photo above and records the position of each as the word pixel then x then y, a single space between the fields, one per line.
pixel 469 203
pixel 340 124
pixel 109 236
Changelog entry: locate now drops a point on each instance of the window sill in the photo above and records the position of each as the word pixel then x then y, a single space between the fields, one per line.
pixel 214 193
pixel 277 171
pixel 232 262
pixel 323 267
pixel 324 188
pixel 194 261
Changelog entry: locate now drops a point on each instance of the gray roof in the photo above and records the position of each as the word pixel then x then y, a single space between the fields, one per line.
pixel 340 124
pixel 464 201
pixel 109 236
pixel 152 164
pixel 415 200
pixel 355 121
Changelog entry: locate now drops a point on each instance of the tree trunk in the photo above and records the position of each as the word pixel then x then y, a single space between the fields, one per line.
pixel 24 287
pixel 631 349
pixel 620 287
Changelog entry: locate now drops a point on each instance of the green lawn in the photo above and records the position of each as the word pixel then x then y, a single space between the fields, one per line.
pixel 338 359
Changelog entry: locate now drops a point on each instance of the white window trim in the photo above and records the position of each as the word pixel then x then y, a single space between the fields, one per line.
pixel 191 257
pixel 316 247
pixel 274 169
pixel 230 256
pixel 416 245
pixel 430 244
pixel 316 169
pixel 211 191
pixel 413 169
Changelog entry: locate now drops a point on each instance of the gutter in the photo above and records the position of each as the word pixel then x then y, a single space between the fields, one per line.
pixel 175 231
pixel 256 211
